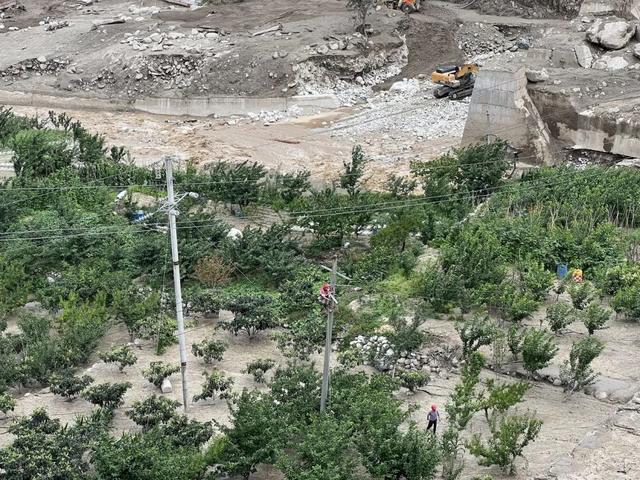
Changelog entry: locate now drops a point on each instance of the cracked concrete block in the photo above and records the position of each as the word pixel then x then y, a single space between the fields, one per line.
pixel 583 56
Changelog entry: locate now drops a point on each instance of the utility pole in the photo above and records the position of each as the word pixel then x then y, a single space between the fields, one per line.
pixel 331 306
pixel 173 213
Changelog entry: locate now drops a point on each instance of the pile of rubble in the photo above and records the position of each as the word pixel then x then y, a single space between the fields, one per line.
pixel 35 66
pixel 159 41
pixel 478 38
pixel 375 351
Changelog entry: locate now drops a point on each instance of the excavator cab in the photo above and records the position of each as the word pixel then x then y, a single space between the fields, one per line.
pixel 456 81
pixel 407 6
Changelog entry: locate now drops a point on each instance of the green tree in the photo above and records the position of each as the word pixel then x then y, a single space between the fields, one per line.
pixel 415 456
pixel 475 332
pixel 413 380
pixel 399 186
pixel 7 402
pixel 536 279
pixel 122 355
pixel 509 436
pixel 107 395
pixel 209 349
pixel 215 385
pixel 581 294
pixel 576 373
pixel 560 315
pixel 251 313
pixel 595 317
pixel 158 371
pixel 538 348
pixel 38 153
pixel 236 184
pixel 185 432
pixel 67 385
pixel 351 179
pixel 515 337
pixel 464 402
pixel 258 368
pixel 497 398
pixel 152 411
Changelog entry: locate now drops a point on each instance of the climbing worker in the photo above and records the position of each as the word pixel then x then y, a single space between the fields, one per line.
pixel 433 417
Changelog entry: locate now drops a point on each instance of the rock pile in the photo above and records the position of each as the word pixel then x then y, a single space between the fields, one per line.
pixel 35 66
pixel 375 351
pixel 611 35
pixel 159 41
pixel 478 38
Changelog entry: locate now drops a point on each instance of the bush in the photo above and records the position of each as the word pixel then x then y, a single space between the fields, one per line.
pixel 581 294
pixel 258 368
pixel 38 153
pixel 595 317
pixel 515 337
pixel 67 385
pixel 475 332
pixel 153 411
pixel 236 184
pixel 251 313
pixel 351 179
pixel 413 380
pixel 185 432
pixel 560 315
pixel 215 385
pixel 81 326
pixel 538 348
pixel 213 271
pixel 463 403
pixel 158 371
pixel 536 279
pixel 498 398
pixel 107 395
pixel 627 302
pixel 415 456
pixel 510 301
pixel 123 355
pixel 209 349
pixel 576 373
pixel 509 436
pixel 7 403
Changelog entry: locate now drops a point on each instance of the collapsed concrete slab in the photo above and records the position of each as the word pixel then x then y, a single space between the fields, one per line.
pixel 500 107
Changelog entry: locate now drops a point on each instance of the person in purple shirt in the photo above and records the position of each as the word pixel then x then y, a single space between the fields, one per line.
pixel 433 416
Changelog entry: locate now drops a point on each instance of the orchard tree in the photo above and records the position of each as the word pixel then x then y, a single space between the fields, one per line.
pixel 413 380
pixel 236 184
pixel 475 332
pixel 595 317
pixel 158 371
pixel 215 385
pixel 122 355
pixel 515 336
pixel 258 368
pixel 107 395
pixel 576 373
pixel 581 294
pixel 464 403
pixel 538 348
pixel 351 179
pixel 67 385
pixel 185 432
pixel 510 434
pixel 251 313
pixel 560 315
pixel 7 403
pixel 497 398
pixel 213 271
pixel 209 349
pixel 153 411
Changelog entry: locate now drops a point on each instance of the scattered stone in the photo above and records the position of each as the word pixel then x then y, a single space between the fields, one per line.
pixel 583 55
pixel 51 26
pixel 322 49
pixel 537 75
pixel 166 386
pixel 636 50
pixel 611 35
pixel 610 63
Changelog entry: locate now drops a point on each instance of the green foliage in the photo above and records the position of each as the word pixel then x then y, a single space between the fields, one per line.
pixel 413 380
pixel 576 373
pixel 158 371
pixel 440 290
pixel 452 454
pixel 10 124
pixel 153 411
pixel 497 398
pixel 536 279
pixel 509 436
pixel 560 315
pixel 595 317
pixel 581 294
pixel 38 153
pixel 122 355
pixel 7 402
pixel 67 385
pixel 475 332
pixel 146 456
pixel 351 179
pixel 209 349
pixel 515 337
pixel 185 432
pixel 107 395
pixel 251 313
pixel 235 184
pixel 510 301
pixel 283 189
pixel 538 348
pixel 463 403
pixel 627 302
pixel 215 385
pixel 304 336
pixel 414 455
pixel 399 186
pixel 258 368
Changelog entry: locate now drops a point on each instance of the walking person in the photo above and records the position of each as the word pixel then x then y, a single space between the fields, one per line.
pixel 433 416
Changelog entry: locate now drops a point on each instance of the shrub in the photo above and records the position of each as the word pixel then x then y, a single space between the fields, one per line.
pixel 251 313
pixel 153 411
pixel 538 348
pixel 595 317
pixel 123 355
pixel 576 373
pixel 236 184
pixel 158 371
pixel 536 279
pixel 67 385
pixel 560 315
pixel 7 403
pixel 511 302
pixel 413 380
pixel 514 340
pixel 185 432
pixel 497 398
pixel 475 332
pixel 627 302
pixel 351 179
pixel 581 294
pixel 38 153
pixel 258 368
pixel 414 455
pixel 215 385
pixel 463 403
pixel 509 436
pixel 213 271
pixel 209 349
pixel 107 395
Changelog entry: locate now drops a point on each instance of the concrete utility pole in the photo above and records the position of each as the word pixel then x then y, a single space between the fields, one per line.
pixel 173 213
pixel 331 306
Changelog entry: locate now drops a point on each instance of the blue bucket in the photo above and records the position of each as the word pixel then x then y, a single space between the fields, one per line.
pixel 562 270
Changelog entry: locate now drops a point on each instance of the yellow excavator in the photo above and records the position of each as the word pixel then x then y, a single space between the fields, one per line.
pixel 407 6
pixel 455 81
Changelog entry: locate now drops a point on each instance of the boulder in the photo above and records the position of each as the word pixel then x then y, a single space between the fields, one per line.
pixel 583 55
pixel 234 234
pixel 537 75
pixel 166 386
pixel 610 63
pixel 636 50
pixel 611 35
